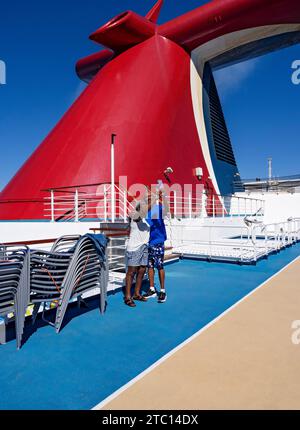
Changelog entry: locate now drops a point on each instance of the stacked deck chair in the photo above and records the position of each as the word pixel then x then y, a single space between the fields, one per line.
pixel 14 285
pixel 73 266
pixel 49 273
pixel 88 271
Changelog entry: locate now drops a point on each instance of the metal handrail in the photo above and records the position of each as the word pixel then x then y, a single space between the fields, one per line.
pixel 275 237
pixel 112 203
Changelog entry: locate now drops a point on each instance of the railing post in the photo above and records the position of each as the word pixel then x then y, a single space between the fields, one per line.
pixel 113 197
pixel 213 208
pixel 223 206
pixel 113 202
pixel 190 205
pixel 125 205
pixel 76 206
pixel 203 206
pixel 266 242
pixel 255 247
pixel 209 241
pixel 105 203
pixel 175 203
pixel 52 206
pixel 239 209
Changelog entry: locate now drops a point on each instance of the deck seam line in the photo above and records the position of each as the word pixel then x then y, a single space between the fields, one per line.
pixel 169 354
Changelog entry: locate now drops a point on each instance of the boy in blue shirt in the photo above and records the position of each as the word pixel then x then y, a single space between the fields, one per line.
pixel 156 248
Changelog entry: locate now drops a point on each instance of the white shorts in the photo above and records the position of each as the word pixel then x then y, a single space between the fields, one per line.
pixel 137 258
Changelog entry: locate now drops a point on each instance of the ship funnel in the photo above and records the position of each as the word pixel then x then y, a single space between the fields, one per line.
pixel 153 14
pixel 88 67
pixel 120 33
pixel 124 31
pixel 219 17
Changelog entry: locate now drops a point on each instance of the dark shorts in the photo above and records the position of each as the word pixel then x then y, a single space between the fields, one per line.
pixel 156 256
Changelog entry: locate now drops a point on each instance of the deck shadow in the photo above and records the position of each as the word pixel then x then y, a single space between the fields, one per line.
pixel 73 311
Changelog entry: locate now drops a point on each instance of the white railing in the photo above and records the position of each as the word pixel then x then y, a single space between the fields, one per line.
pixel 90 202
pixel 111 203
pixel 116 254
pixel 215 206
pixel 238 243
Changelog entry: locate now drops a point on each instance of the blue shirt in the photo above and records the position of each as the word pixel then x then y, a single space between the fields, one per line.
pixel 155 219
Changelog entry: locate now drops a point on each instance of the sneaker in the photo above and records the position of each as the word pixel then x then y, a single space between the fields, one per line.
pixel 149 294
pixel 162 297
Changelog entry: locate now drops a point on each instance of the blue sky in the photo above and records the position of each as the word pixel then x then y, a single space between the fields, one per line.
pixel 41 42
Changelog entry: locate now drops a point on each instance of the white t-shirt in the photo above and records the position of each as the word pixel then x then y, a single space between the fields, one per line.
pixel 139 235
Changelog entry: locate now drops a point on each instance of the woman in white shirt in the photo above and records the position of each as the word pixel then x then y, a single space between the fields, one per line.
pixel 137 252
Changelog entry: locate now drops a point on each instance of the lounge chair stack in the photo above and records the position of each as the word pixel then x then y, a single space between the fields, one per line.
pixel 74 266
pixel 49 273
pixel 14 285
pixel 88 270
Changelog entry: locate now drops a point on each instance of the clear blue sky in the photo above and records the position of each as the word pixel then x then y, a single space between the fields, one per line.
pixel 41 41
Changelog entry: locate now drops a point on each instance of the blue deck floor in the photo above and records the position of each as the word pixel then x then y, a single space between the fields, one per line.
pixel 94 355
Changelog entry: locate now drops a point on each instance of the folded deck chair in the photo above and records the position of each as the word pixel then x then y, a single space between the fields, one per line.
pixel 88 271
pixel 14 285
pixel 49 273
pixel 65 243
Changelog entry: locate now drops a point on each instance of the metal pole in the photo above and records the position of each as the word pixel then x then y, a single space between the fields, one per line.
pixel 266 243
pixel 112 170
pixel 190 205
pixel 209 240
pixel 105 204
pixel 175 204
pixel 203 206
pixel 125 206
pixel 76 206
pixel 52 207
pixel 270 168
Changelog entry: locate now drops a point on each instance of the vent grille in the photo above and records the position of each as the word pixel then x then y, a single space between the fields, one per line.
pixel 221 137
